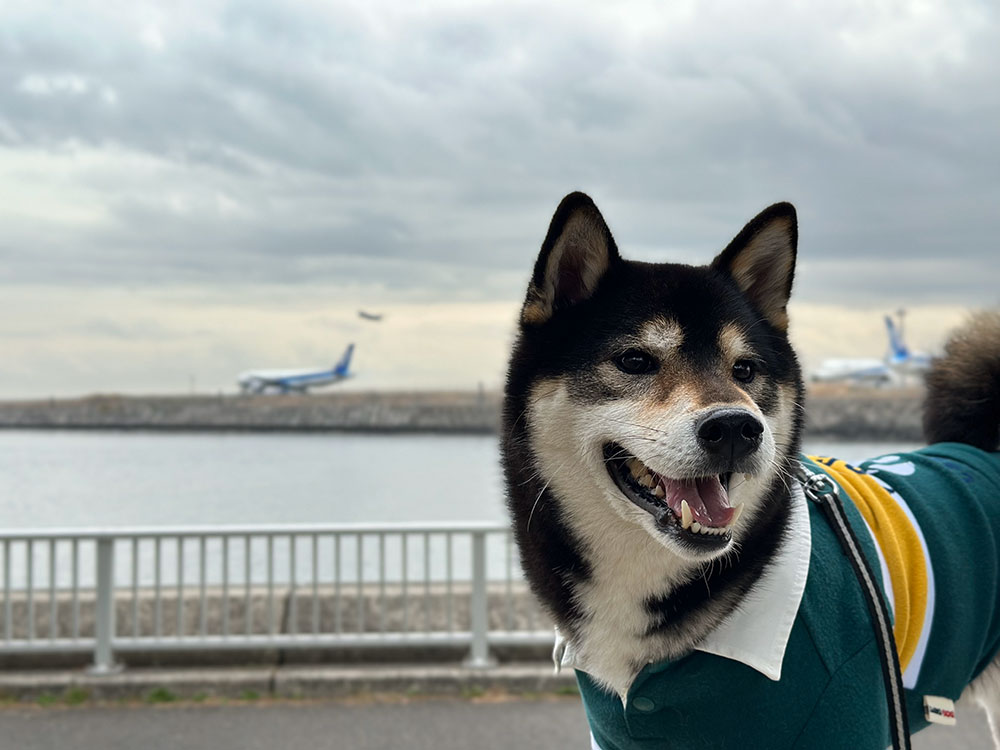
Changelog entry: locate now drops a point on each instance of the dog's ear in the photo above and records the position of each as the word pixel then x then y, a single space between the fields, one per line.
pixel 577 252
pixel 761 260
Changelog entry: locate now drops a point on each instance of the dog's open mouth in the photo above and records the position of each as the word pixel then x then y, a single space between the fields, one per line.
pixel 696 507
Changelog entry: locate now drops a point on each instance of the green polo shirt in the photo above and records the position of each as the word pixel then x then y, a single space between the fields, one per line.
pixel 831 694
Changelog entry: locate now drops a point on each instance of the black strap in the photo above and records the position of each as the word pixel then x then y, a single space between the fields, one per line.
pixel 822 490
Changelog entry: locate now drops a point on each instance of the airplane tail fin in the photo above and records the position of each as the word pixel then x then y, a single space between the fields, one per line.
pixel 896 345
pixel 341 367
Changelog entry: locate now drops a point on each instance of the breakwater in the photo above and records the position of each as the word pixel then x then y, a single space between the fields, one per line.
pixel 456 412
pixel 831 413
pixel 877 414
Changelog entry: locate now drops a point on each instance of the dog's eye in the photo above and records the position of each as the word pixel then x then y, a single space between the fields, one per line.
pixel 744 370
pixel 635 362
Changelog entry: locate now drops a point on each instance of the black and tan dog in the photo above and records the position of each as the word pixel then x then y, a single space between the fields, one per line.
pixel 651 441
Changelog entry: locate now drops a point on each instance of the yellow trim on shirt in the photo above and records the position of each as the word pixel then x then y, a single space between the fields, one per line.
pixel 901 548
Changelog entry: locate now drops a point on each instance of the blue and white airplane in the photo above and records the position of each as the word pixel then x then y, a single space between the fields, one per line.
pixel 898 363
pixel 295 381
pixel 900 357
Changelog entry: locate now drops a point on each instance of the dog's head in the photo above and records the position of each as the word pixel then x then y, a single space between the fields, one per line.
pixel 662 395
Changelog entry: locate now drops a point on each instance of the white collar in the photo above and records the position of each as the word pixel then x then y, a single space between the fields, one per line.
pixel 756 633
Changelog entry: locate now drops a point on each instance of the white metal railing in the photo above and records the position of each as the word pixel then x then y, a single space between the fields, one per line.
pixel 245 587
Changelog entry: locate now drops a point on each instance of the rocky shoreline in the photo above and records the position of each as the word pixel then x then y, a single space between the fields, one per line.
pixel 846 414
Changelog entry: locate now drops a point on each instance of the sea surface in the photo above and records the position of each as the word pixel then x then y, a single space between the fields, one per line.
pixel 70 479
pixel 110 480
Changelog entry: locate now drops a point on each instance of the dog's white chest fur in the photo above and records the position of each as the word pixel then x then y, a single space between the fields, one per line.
pixel 614 631
pixel 628 566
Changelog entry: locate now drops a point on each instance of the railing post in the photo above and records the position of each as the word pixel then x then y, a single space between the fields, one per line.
pixel 479 653
pixel 104 614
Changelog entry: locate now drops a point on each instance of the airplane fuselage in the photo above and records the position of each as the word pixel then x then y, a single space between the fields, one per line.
pixel 295 381
pixel 286 381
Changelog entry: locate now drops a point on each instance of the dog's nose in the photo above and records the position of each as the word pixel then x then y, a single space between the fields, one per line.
pixel 730 433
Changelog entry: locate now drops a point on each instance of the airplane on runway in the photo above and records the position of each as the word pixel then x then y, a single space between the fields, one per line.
pixel 295 381
pixel 898 364
pixel 857 371
pixel 900 357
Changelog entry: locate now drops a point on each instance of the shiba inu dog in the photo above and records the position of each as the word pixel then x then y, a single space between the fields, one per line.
pixel 650 444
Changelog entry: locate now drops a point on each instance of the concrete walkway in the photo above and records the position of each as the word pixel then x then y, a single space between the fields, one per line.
pixel 420 725
pixel 520 706
pixel 416 724
pixel 290 681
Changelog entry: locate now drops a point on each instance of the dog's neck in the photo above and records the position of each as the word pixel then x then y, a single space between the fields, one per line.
pixel 632 607
pixel 634 601
pixel 618 635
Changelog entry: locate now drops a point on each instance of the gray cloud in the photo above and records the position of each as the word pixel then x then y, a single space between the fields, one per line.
pixel 258 141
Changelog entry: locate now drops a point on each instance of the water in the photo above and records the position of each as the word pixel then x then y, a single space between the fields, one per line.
pixel 74 479
pixel 69 479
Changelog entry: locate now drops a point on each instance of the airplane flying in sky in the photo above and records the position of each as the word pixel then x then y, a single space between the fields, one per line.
pixel 295 381
pixel 899 362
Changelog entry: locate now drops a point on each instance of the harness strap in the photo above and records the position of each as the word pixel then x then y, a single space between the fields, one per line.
pixel 820 489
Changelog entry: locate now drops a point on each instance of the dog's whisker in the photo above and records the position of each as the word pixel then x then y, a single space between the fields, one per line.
pixel 531 513
pixel 637 425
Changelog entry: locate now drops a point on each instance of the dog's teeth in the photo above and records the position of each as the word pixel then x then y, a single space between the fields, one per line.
pixel 686 515
pixel 646 480
pixel 658 491
pixel 737 511
pixel 697 528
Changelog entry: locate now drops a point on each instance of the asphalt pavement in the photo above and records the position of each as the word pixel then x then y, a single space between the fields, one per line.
pixel 420 724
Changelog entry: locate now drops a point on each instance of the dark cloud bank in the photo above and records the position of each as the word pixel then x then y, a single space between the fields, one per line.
pixel 256 142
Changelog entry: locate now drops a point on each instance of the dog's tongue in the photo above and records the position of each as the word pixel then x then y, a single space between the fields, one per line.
pixel 706 497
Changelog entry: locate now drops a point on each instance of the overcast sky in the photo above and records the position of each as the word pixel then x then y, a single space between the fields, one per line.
pixel 169 173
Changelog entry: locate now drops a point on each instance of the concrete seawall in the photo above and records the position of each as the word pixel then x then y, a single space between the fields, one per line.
pixel 844 414
pixel 432 610
pixel 865 414
pixel 158 667
pixel 390 412
pixel 419 610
